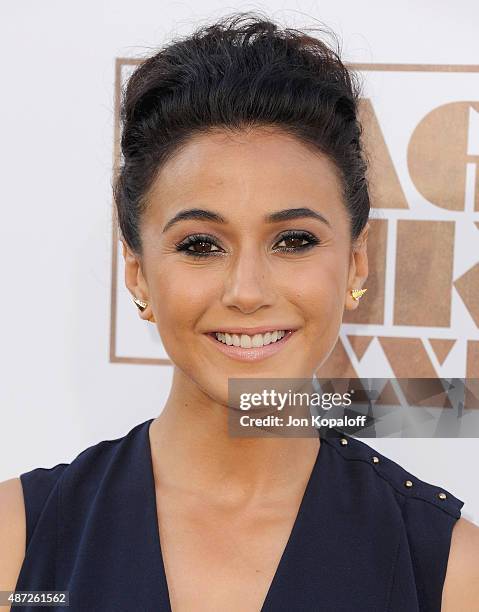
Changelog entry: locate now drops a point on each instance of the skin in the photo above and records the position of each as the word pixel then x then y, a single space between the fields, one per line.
pixel 249 481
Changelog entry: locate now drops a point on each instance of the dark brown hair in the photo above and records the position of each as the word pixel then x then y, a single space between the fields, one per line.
pixel 240 72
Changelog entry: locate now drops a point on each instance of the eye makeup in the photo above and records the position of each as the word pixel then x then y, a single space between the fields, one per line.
pixel 206 241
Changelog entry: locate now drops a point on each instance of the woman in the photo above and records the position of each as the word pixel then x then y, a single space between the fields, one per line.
pixel 243 209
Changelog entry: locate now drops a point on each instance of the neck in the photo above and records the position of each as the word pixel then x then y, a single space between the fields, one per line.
pixel 193 450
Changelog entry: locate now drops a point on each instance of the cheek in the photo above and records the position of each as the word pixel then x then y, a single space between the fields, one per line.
pixel 181 299
pixel 319 288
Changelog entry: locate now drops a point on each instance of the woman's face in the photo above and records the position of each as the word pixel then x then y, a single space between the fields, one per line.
pixel 253 266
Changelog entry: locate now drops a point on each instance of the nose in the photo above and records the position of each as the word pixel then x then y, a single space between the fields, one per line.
pixel 249 283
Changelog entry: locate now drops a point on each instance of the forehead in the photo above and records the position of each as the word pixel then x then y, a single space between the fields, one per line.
pixel 261 168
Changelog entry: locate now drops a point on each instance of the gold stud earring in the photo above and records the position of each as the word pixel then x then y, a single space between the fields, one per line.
pixel 140 303
pixel 357 293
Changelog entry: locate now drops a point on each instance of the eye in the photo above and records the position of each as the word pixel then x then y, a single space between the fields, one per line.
pixel 198 245
pixel 202 245
pixel 297 241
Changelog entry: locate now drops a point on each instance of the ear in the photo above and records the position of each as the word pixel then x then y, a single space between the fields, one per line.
pixel 358 267
pixel 135 281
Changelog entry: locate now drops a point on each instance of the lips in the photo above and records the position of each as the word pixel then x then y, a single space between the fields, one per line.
pixel 254 353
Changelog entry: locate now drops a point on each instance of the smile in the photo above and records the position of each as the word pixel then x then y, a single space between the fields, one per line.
pixel 247 347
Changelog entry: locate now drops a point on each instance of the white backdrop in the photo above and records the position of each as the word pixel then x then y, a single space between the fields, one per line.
pixel 59 391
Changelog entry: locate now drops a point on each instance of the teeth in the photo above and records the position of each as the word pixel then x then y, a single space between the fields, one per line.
pixel 246 341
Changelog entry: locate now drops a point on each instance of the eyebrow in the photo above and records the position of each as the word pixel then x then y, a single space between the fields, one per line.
pixel 281 215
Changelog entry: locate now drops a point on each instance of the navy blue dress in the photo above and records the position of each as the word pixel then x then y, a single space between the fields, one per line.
pixel 368 537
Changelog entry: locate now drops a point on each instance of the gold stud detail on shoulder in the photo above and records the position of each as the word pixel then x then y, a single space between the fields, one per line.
pixel 343 441
pixel 375 459
pixel 442 495
pixel 408 484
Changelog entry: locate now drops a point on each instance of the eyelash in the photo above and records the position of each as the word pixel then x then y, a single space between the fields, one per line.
pixel 204 238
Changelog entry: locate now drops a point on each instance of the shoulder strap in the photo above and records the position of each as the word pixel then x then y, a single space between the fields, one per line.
pixel 429 512
pixel 429 533
pixel 38 485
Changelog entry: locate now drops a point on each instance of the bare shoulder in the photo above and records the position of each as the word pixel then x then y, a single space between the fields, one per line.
pixel 12 532
pixel 461 585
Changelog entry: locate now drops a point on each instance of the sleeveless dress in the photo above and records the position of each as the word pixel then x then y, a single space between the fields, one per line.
pixel 368 536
